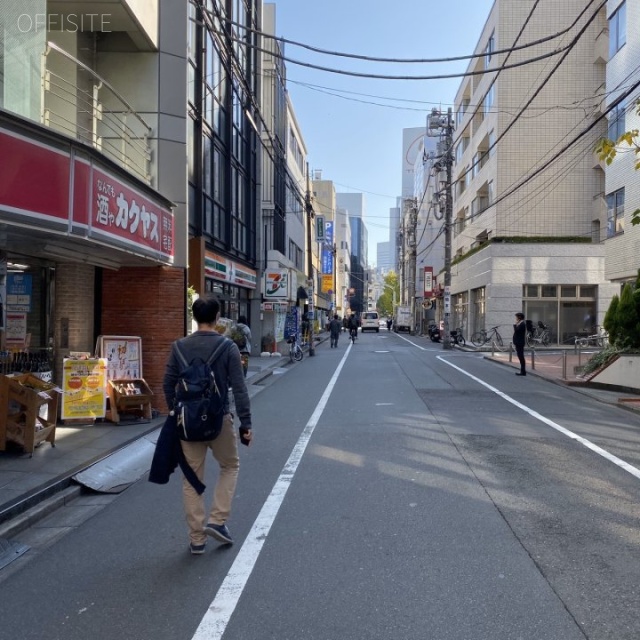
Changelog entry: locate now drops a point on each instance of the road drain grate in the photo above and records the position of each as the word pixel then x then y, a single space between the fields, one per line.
pixel 10 551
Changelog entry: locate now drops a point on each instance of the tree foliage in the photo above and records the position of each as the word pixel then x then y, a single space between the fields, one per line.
pixel 385 301
pixel 622 319
pixel 627 318
pixel 608 149
pixel 610 319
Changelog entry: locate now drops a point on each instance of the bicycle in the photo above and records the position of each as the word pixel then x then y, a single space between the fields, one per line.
pixel 539 335
pixel 353 334
pixel 457 337
pixel 480 338
pixel 599 339
pixel 295 352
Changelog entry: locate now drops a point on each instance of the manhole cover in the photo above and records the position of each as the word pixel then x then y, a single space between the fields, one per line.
pixel 10 551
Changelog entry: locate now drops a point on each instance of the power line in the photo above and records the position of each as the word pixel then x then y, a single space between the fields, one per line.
pixel 375 76
pixel 563 150
pixel 335 92
pixel 357 56
pixel 535 94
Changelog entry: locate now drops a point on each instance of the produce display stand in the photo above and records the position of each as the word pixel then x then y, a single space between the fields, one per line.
pixel 129 398
pixel 29 407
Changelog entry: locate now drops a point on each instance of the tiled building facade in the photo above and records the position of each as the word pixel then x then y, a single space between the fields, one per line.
pixel 622 191
pixel 528 202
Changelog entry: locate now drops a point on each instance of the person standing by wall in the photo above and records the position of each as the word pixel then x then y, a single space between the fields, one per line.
pixel 519 338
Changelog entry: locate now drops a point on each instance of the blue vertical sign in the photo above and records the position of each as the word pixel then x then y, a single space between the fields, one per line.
pixel 327 249
pixel 19 290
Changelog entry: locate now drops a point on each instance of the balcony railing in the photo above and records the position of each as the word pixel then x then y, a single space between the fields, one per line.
pixel 78 102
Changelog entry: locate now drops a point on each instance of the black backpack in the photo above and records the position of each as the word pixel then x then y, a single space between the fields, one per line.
pixel 199 402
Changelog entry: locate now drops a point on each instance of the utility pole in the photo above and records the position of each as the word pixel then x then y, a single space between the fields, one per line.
pixel 441 125
pixel 401 242
pixel 310 216
pixel 411 246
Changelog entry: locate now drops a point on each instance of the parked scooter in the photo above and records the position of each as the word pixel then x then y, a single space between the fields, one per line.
pixel 434 332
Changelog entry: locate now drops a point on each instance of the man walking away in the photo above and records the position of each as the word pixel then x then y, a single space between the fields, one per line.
pixel 334 331
pixel 519 338
pixel 227 370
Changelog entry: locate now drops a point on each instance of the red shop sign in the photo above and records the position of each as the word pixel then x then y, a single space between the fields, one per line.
pixel 124 214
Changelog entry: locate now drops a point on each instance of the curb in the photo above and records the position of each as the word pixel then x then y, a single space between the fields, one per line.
pixel 39 511
pixel 577 386
pixel 51 490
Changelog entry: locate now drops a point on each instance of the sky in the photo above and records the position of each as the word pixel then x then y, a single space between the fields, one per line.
pixel 353 140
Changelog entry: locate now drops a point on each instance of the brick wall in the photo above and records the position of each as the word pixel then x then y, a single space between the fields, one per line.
pixel 149 302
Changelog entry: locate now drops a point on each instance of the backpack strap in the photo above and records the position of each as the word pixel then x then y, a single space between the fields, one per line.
pixel 183 360
pixel 180 354
pixel 224 343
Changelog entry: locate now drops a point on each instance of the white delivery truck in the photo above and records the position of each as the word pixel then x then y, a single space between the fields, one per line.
pixel 402 320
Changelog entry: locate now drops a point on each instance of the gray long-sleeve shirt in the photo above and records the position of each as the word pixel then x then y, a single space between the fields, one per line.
pixel 227 369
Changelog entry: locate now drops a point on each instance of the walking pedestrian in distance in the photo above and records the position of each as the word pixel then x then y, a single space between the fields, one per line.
pixel 519 339
pixel 334 331
pixel 245 349
pixel 228 372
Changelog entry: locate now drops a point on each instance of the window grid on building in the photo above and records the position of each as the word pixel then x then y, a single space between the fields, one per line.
pixel 615 213
pixel 617 29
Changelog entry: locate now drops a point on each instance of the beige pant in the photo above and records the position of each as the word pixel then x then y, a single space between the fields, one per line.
pixel 225 450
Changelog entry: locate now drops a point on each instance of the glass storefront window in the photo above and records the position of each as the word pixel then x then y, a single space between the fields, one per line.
pixel 478 299
pixel 460 310
pixel 22 46
pixel 587 291
pixel 544 311
pixel 561 311
pixel 549 291
pixel 576 319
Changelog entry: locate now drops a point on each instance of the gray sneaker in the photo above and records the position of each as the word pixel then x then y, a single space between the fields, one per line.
pixel 219 532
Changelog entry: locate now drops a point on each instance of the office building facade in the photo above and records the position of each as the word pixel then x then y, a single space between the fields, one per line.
pixel 528 197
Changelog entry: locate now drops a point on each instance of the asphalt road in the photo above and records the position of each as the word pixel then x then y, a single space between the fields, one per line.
pixel 393 490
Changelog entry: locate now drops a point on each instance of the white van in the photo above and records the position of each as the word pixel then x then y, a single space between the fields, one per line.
pixel 370 320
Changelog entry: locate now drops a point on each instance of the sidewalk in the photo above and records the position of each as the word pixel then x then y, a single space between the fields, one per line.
pixel 26 481
pixel 562 366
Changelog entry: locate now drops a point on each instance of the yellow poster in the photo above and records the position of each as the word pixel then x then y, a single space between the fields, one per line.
pixel 84 387
pixel 327 282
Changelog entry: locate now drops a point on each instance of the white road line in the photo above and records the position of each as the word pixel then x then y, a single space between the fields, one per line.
pixel 215 620
pixel 574 436
pixel 412 343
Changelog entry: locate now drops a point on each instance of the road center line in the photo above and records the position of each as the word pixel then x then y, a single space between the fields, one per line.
pixel 554 425
pixel 215 620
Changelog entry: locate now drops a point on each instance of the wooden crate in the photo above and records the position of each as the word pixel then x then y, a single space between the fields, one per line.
pixel 130 397
pixel 28 411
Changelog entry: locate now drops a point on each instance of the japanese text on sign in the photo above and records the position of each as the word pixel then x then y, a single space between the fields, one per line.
pixel 125 213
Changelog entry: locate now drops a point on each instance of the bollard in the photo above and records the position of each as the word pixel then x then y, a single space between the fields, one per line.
pixel 493 348
pixel 579 357
pixel 564 365
pixel 511 352
pixel 533 358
